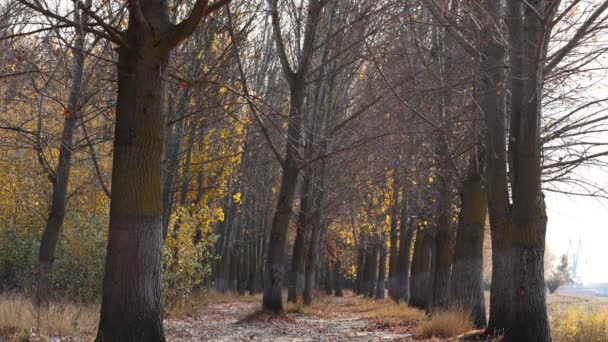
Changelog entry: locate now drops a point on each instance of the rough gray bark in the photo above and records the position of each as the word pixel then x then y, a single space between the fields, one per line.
pixel 467 272
pixel 131 308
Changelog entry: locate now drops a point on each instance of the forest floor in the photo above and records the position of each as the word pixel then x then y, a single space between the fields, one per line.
pixel 328 319
pixel 210 316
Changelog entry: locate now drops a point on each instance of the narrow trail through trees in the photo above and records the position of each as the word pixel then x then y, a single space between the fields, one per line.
pixel 243 320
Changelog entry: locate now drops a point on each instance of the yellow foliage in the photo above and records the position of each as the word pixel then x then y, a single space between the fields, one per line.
pixel 237 198
pixel 576 323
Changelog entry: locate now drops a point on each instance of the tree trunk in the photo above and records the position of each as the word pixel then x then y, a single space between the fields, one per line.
pixel 273 282
pixel 492 103
pixel 394 250
pixel 54 223
pixel 402 286
pixel 528 316
pixel 371 270
pixel 467 273
pixel 131 307
pixel 328 281
pixel 296 281
pixel 421 266
pixel 338 279
pixel 380 284
pixel 172 158
pixel 312 257
pixel 360 269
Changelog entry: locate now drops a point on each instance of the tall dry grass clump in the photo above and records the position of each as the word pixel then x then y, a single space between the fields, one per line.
pixel 576 324
pixel 446 323
pixel 18 317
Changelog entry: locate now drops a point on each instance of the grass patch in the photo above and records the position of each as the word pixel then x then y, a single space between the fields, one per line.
pixel 576 323
pixel 447 323
pixel 18 318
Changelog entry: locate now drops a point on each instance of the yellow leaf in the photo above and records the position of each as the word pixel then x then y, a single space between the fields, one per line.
pixel 237 197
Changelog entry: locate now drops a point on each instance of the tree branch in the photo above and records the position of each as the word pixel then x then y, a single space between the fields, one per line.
pixel 200 10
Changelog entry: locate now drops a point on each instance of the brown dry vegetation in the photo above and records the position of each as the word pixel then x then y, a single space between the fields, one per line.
pixel 573 318
pixel 18 318
pixel 447 323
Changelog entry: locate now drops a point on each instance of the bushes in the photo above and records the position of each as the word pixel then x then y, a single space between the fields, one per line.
pixel 579 324
pixel 187 253
pixel 79 262
pixel 78 269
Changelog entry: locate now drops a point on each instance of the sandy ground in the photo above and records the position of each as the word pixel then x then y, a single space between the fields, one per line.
pixel 224 322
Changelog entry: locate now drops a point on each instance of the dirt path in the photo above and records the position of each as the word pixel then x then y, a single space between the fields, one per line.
pixel 224 322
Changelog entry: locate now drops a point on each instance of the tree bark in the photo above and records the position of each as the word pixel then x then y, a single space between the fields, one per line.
pixel 394 248
pixel 338 279
pixel 360 269
pixel 131 307
pixel 421 267
pixel 492 103
pixel 298 261
pixel 380 284
pixel 402 286
pixel 371 270
pixel 467 272
pixel 528 318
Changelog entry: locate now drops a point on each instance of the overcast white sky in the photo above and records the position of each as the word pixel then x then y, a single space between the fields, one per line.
pixel 571 218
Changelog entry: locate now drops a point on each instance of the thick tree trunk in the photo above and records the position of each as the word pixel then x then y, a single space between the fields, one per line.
pixel 54 223
pixel 421 267
pixel 528 319
pixel 528 316
pixel 131 307
pixel 402 286
pixel 467 272
pixel 492 103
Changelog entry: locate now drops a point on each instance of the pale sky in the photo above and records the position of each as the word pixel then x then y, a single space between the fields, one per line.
pixel 584 217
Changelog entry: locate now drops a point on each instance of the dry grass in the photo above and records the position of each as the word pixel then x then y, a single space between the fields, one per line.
pixel 18 317
pixel 576 323
pixel 447 323
pixel 199 300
